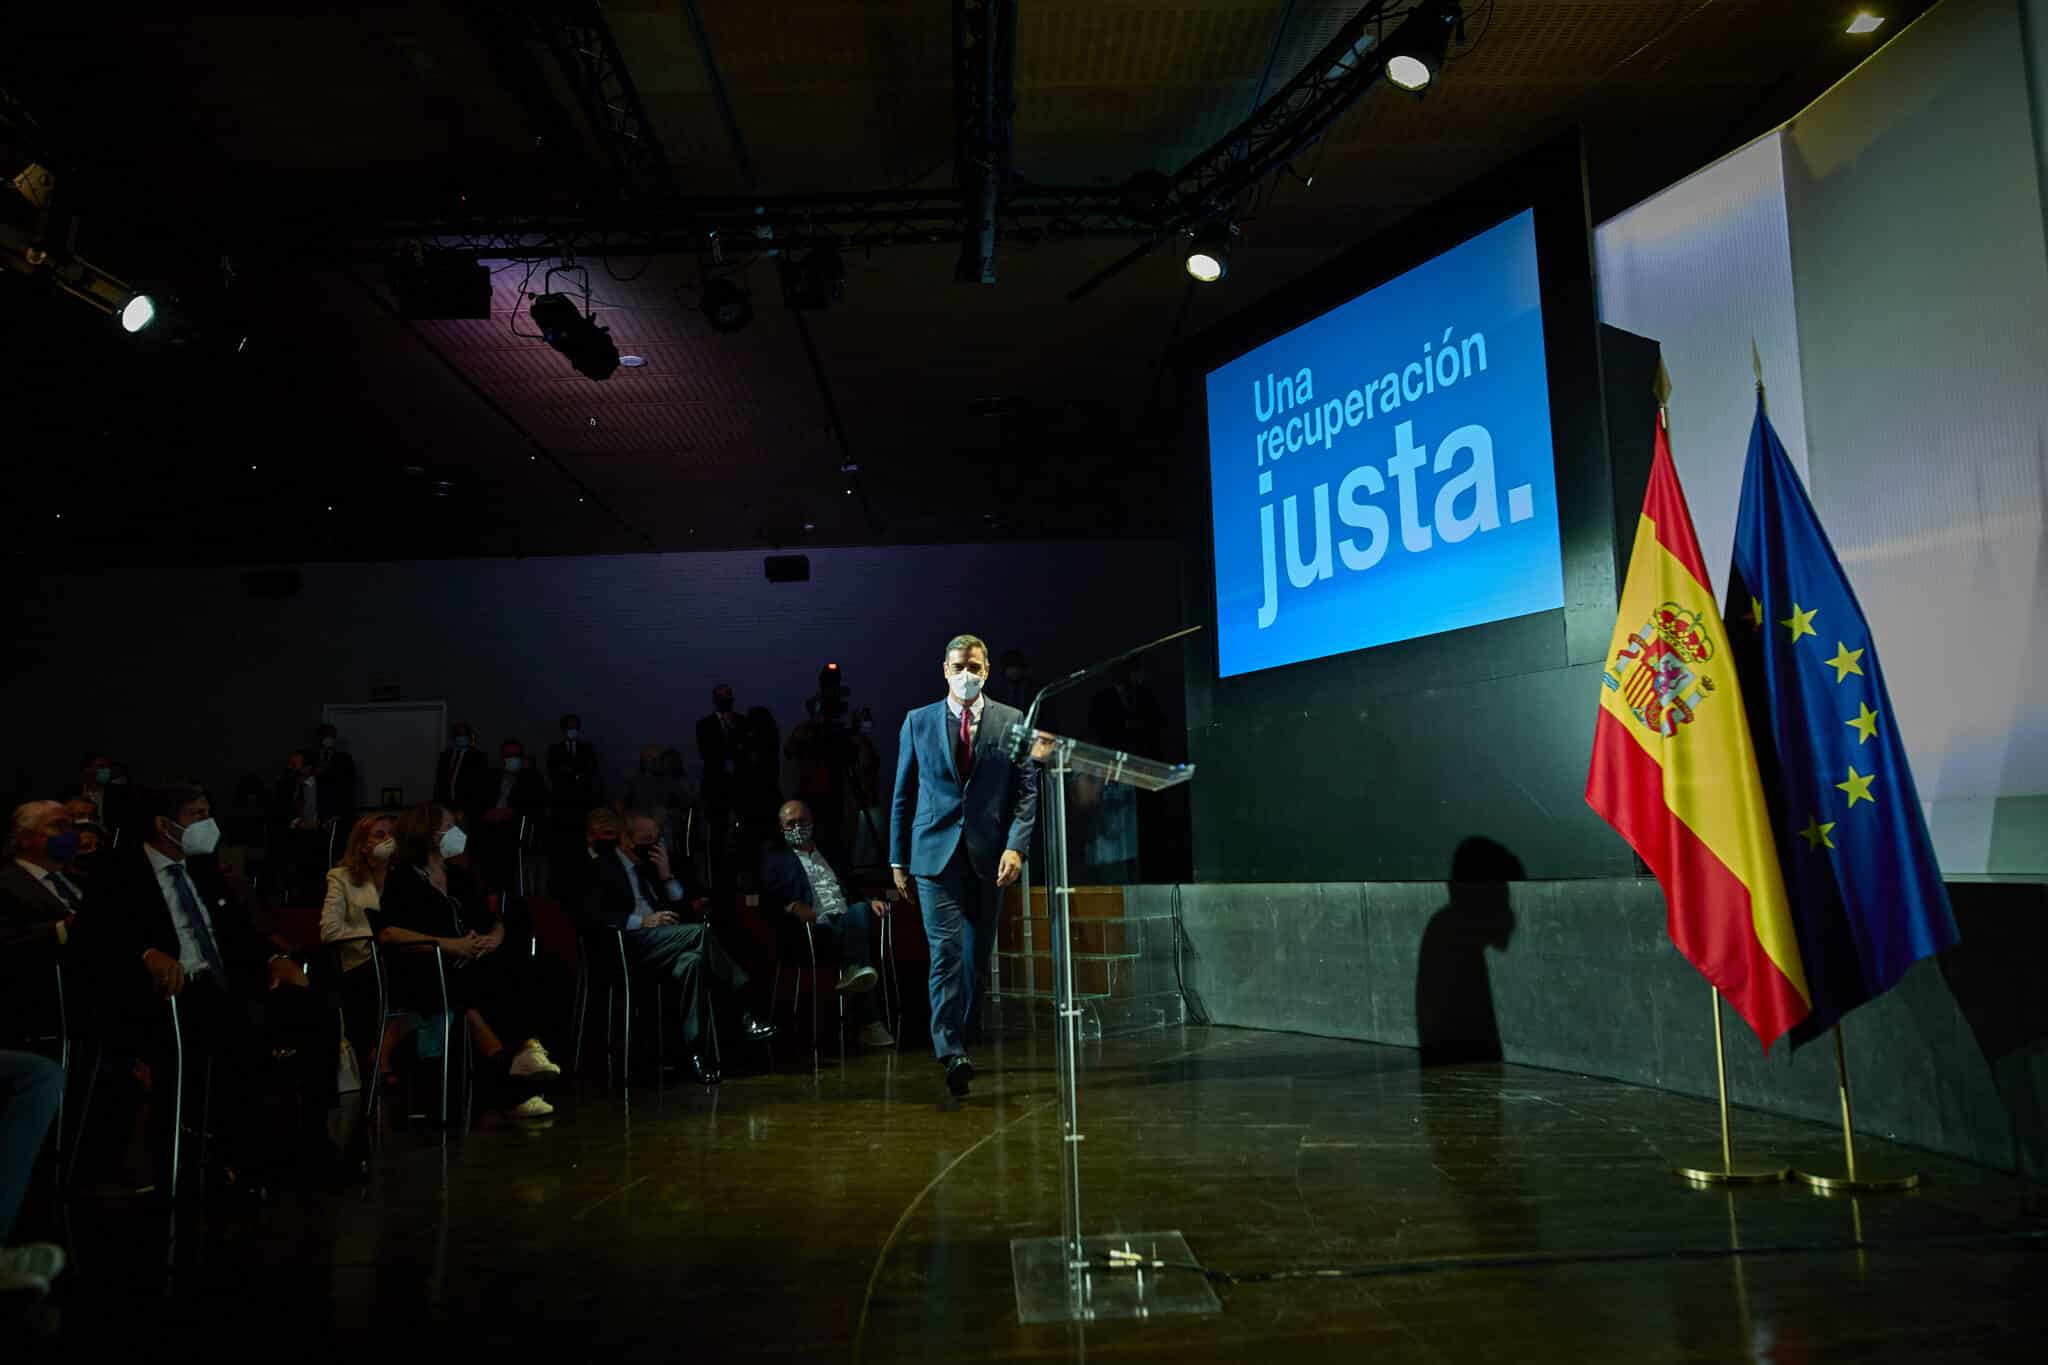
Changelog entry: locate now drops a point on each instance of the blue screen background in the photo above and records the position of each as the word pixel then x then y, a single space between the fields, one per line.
pixel 1489 285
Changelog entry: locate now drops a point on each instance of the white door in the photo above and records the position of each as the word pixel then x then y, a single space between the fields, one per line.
pixel 396 746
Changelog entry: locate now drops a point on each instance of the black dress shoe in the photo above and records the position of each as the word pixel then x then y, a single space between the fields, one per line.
pixel 757 1031
pixel 701 1070
pixel 959 1071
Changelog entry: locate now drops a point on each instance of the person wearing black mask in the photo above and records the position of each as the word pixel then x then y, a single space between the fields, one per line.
pixel 462 779
pixel 630 885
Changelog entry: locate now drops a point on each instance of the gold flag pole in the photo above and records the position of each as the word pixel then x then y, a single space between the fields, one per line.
pixel 1722 1168
pixel 1855 1177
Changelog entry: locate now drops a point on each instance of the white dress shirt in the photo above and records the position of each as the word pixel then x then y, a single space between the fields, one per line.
pixel 826 897
pixel 189 955
pixel 51 881
pixel 953 710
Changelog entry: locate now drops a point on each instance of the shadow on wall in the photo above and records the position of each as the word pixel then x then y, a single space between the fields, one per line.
pixel 1454 1018
pixel 1994 973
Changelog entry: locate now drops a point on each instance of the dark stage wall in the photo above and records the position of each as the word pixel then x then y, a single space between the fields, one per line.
pixel 184 673
pixel 1579 976
pixel 1376 765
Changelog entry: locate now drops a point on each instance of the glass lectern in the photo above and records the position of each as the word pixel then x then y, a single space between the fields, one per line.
pixel 1069 1278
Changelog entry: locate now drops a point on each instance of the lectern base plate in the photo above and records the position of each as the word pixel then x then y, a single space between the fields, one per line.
pixel 1048 1291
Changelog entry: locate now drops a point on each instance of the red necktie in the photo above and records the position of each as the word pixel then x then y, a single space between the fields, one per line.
pixel 963 744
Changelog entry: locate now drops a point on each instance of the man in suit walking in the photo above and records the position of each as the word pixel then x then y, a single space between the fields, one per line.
pixel 959 825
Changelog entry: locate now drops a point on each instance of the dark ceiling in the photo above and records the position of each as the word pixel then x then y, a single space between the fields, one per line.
pixel 285 413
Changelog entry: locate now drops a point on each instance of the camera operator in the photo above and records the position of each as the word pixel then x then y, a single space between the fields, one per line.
pixel 825 753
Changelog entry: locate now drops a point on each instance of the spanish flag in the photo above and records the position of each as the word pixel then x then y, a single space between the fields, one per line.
pixel 1675 771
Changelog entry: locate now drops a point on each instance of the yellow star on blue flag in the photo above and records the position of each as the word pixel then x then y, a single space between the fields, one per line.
pixel 1865 917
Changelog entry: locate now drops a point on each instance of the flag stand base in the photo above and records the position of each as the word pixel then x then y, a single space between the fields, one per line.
pixel 1864 1181
pixel 1708 1168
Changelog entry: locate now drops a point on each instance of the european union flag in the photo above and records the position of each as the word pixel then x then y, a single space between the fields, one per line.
pixel 1867 898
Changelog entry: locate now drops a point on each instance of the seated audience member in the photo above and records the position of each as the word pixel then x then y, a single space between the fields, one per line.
pixel 30 1089
pixel 101 783
pixel 517 792
pixel 38 902
pixel 425 900
pixel 463 780
pixel 797 880
pixel 299 836
pixel 630 885
pixel 93 843
pixel 353 889
pixel 161 922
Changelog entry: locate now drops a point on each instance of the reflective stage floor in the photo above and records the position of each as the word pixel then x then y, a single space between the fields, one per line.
pixel 1465 1213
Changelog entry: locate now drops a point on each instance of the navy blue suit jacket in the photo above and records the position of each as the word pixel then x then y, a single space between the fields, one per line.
pixel 935 812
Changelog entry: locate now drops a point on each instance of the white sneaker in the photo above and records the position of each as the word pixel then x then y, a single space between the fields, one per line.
pixel 875 1035
pixel 30 1267
pixel 854 980
pixel 533 1060
pixel 533 1108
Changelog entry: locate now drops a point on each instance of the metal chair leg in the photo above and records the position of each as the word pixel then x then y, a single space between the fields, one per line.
pixel 660 1039
pixel 578 1004
pixel 447 1031
pixel 177 1098
pixel 92 1077
pixel 626 1018
pixel 817 985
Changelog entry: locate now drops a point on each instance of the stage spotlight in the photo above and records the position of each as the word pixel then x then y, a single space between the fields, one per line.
pixel 1209 251
pixel 138 313
pixel 1415 53
pixel 818 280
pixel 1866 22
pixel 588 346
pixel 728 306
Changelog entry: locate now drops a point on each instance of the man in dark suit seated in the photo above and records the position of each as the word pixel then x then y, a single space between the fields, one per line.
pixel 162 923
pixel 463 779
pixel 797 880
pixel 517 792
pixel 38 902
pixel 627 883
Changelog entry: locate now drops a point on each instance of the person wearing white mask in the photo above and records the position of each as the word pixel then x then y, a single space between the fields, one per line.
pixel 428 901
pixel 162 922
pixel 961 818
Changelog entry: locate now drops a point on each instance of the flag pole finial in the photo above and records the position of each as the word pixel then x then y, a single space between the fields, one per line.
pixel 1756 366
pixel 1660 388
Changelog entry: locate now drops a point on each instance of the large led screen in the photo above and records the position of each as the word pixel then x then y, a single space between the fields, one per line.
pixel 1385 470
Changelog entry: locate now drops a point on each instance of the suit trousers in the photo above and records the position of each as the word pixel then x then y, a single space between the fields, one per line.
pixel 30 1088
pixel 691 956
pixel 959 906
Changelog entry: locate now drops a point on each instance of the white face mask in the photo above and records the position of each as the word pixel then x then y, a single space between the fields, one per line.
pixel 199 838
pixel 453 841
pixel 384 848
pixel 571 733
pixel 966 686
